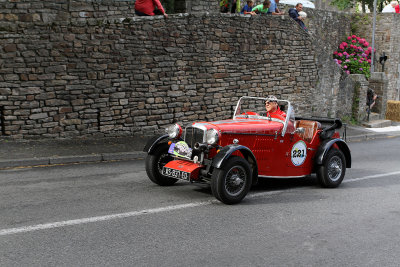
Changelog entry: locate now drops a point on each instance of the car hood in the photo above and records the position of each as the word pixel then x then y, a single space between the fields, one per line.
pixel 242 126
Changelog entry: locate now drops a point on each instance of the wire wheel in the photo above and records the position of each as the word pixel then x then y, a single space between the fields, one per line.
pixel 235 180
pixel 335 168
pixel 231 183
pixel 332 171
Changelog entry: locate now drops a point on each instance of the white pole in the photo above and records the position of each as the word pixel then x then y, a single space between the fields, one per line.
pixel 373 39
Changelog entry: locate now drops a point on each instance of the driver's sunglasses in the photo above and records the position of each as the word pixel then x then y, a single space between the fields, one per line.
pixel 269 102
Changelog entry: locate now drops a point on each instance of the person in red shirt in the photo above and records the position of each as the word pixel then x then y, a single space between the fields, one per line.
pixel 146 8
pixel 272 107
pixel 397 8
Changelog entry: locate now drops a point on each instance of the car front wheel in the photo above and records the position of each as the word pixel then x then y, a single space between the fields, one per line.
pixel 155 163
pixel 232 182
pixel 331 172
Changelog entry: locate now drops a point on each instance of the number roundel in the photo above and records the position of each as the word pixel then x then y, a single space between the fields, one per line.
pixel 299 153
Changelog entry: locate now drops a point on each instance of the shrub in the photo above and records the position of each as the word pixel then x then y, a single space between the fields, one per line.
pixel 354 56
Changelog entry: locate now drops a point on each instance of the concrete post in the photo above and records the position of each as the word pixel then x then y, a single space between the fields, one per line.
pixel 359 97
pixel 379 83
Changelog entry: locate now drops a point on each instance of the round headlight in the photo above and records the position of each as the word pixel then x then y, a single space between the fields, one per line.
pixel 212 136
pixel 174 131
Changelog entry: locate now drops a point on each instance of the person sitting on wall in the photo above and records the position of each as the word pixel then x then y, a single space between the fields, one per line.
pixel 273 9
pixel 271 105
pixel 294 14
pixel 247 9
pixel 149 8
pixel 391 8
pixel 263 8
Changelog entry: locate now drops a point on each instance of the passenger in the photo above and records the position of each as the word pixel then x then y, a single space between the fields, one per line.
pixel 272 107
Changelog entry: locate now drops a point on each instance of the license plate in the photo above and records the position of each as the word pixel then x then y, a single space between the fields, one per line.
pixel 177 174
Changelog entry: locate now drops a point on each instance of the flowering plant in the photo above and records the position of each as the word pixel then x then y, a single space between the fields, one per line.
pixel 354 56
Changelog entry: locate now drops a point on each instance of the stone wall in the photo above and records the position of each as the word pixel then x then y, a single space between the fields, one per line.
pixel 327 30
pixel 124 77
pixel 49 11
pixel 387 39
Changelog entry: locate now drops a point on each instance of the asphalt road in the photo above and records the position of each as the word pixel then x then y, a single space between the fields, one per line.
pixel 111 214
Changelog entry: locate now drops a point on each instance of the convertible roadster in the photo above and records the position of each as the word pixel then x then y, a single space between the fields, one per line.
pixel 231 155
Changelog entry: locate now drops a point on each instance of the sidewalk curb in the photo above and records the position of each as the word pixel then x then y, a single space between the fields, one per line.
pixel 14 163
pixel 71 159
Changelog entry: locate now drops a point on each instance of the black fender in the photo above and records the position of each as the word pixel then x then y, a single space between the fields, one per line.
pixel 224 154
pixel 153 142
pixel 327 144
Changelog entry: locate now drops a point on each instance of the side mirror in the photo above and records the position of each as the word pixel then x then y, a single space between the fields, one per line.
pixel 300 130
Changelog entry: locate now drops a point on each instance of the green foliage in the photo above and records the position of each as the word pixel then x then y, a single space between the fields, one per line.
pixel 358 21
pixel 343 4
pixel 347 4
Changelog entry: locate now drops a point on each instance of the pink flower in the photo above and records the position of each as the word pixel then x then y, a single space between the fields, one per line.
pixel 366 44
pixel 369 61
pixel 349 38
pixel 335 53
pixel 339 62
pixel 360 61
pixel 358 38
pixel 344 67
pixel 369 48
pixel 340 55
pixel 353 36
pixel 354 41
pixel 344 44
pixel 341 47
pixel 347 71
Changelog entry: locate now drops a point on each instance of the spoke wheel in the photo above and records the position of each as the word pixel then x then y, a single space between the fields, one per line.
pixel 235 180
pixel 332 171
pixel 231 183
pixel 155 163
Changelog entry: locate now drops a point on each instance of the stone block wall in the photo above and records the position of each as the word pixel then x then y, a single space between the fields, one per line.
pixel 49 11
pixel 124 77
pixel 327 30
pixel 387 39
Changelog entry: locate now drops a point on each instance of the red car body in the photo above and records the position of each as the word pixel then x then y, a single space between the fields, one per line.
pixel 232 154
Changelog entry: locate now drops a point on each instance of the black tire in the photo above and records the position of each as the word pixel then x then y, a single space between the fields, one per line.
pixel 232 182
pixel 331 173
pixel 154 164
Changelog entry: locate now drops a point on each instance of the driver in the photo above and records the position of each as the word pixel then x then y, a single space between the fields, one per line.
pixel 271 105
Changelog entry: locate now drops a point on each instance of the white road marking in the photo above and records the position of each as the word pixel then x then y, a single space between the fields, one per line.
pixel 371 177
pixel 53 225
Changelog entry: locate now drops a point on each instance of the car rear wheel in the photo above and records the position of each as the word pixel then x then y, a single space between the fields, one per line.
pixel 232 182
pixel 155 163
pixel 331 172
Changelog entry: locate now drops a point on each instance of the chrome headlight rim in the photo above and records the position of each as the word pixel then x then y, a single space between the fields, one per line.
pixel 212 136
pixel 174 131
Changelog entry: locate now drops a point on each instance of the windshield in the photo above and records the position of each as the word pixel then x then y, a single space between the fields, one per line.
pixel 255 108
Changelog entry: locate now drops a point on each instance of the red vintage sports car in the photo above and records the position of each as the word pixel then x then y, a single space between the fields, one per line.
pixel 231 155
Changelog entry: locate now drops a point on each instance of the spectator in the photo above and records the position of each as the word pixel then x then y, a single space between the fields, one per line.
pixel 263 8
pixel 397 8
pixel 247 9
pixel 224 6
pixel 148 7
pixel 273 9
pixel 294 14
pixel 235 6
pixel 391 8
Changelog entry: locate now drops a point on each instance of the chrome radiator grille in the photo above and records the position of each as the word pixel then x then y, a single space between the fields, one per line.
pixel 193 135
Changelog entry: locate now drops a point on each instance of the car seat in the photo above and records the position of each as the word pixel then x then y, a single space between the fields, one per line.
pixel 310 128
